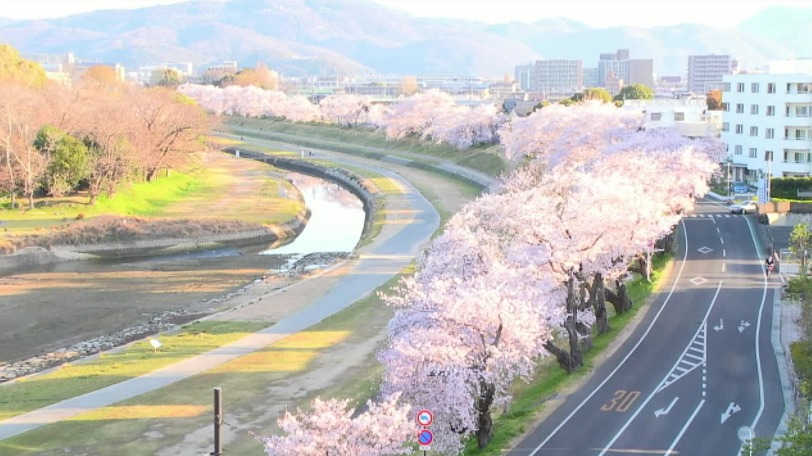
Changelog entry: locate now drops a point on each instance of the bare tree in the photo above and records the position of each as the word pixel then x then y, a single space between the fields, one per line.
pixel 165 130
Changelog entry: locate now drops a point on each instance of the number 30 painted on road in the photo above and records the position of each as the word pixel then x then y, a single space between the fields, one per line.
pixel 621 402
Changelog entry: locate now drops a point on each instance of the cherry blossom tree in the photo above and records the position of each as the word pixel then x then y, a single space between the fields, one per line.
pixel 413 115
pixel 385 428
pixel 467 325
pixel 345 110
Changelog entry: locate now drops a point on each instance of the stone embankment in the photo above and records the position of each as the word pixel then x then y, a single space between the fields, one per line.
pixel 166 321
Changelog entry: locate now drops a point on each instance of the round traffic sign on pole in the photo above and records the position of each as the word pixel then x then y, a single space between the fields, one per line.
pixel 425 437
pixel 424 417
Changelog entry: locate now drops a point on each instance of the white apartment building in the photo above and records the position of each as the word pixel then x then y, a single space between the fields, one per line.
pixel 689 116
pixel 556 77
pixel 705 72
pixel 769 115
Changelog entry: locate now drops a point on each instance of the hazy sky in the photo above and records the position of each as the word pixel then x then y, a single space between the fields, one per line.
pixel 723 13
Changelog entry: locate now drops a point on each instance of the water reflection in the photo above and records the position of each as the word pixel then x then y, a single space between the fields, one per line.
pixel 336 219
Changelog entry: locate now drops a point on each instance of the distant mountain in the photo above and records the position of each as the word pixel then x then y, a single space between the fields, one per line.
pixel 790 26
pixel 306 37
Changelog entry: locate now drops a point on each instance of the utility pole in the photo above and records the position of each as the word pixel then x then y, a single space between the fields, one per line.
pixel 218 421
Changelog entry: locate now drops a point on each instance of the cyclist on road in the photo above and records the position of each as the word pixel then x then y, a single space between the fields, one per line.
pixel 770 264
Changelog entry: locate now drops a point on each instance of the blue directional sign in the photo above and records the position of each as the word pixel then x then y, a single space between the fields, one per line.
pixel 425 437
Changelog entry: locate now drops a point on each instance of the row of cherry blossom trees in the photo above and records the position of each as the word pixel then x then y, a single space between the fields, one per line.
pixel 433 115
pixel 525 272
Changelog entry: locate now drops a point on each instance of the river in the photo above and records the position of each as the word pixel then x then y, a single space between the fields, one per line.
pixel 56 306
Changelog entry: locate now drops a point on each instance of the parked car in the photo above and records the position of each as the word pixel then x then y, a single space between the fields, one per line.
pixel 740 187
pixel 744 208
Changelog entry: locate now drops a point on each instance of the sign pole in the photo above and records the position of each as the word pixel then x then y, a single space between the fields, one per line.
pixel 218 421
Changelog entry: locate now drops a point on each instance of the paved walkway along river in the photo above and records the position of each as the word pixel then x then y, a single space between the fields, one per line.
pixel 376 263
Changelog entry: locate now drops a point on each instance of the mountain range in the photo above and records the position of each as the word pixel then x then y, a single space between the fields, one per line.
pixel 350 37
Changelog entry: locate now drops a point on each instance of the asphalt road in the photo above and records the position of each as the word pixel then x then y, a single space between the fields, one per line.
pixel 698 374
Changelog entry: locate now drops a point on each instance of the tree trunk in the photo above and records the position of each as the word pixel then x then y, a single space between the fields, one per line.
pixel 597 298
pixel 665 244
pixel 620 300
pixel 92 201
pixel 31 200
pixel 484 431
pixel 565 360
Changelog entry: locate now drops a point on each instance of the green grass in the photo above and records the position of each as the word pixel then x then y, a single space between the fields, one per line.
pixel 74 379
pixel 217 188
pixel 368 143
pixel 183 407
pixel 551 380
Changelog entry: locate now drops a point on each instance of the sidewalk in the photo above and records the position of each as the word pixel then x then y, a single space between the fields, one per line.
pixel 376 263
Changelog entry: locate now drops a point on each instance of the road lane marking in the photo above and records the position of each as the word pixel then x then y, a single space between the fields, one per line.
pixel 628 355
pixel 758 331
pixel 722 240
pixel 684 428
pixel 685 365
pixel 666 410
pixel 732 409
pixel 724 254
pixel 660 387
pixel 724 267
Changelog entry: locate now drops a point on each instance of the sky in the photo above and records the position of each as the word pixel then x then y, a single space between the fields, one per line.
pixel 722 13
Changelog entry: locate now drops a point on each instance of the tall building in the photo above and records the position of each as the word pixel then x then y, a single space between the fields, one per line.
pixel 631 71
pixel 591 78
pixel 559 77
pixel 705 72
pixel 551 77
pixel 524 76
pixel 769 115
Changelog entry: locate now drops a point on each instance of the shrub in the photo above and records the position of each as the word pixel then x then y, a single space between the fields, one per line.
pixel 80 216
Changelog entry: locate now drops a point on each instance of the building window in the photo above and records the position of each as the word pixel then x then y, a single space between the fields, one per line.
pixel 770 110
pixel 679 116
pixel 726 86
pixel 740 87
pixel 754 110
pixel 737 150
pixel 800 135
pixel 656 116
pixel 740 108
pixel 771 87
pixel 726 107
pixel 753 152
pixel 769 133
pixel 800 157
pixel 739 129
pixel 754 87
pixel 753 131
pixel 725 126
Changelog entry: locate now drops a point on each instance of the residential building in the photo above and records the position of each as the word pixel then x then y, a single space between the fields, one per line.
pixel 146 72
pixel 524 76
pixel 591 78
pixel 705 72
pixel 551 78
pixel 769 116
pixel 631 71
pixel 689 116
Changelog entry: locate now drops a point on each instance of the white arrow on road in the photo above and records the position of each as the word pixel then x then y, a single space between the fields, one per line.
pixel 719 327
pixel 664 411
pixel 743 325
pixel 731 409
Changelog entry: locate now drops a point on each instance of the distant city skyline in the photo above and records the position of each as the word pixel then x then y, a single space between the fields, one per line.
pixel 721 13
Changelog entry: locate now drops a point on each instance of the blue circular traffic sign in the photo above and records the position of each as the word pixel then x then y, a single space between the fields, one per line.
pixel 425 437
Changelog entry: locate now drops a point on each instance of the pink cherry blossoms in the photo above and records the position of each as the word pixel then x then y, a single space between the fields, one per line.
pixel 433 115
pixel 330 429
